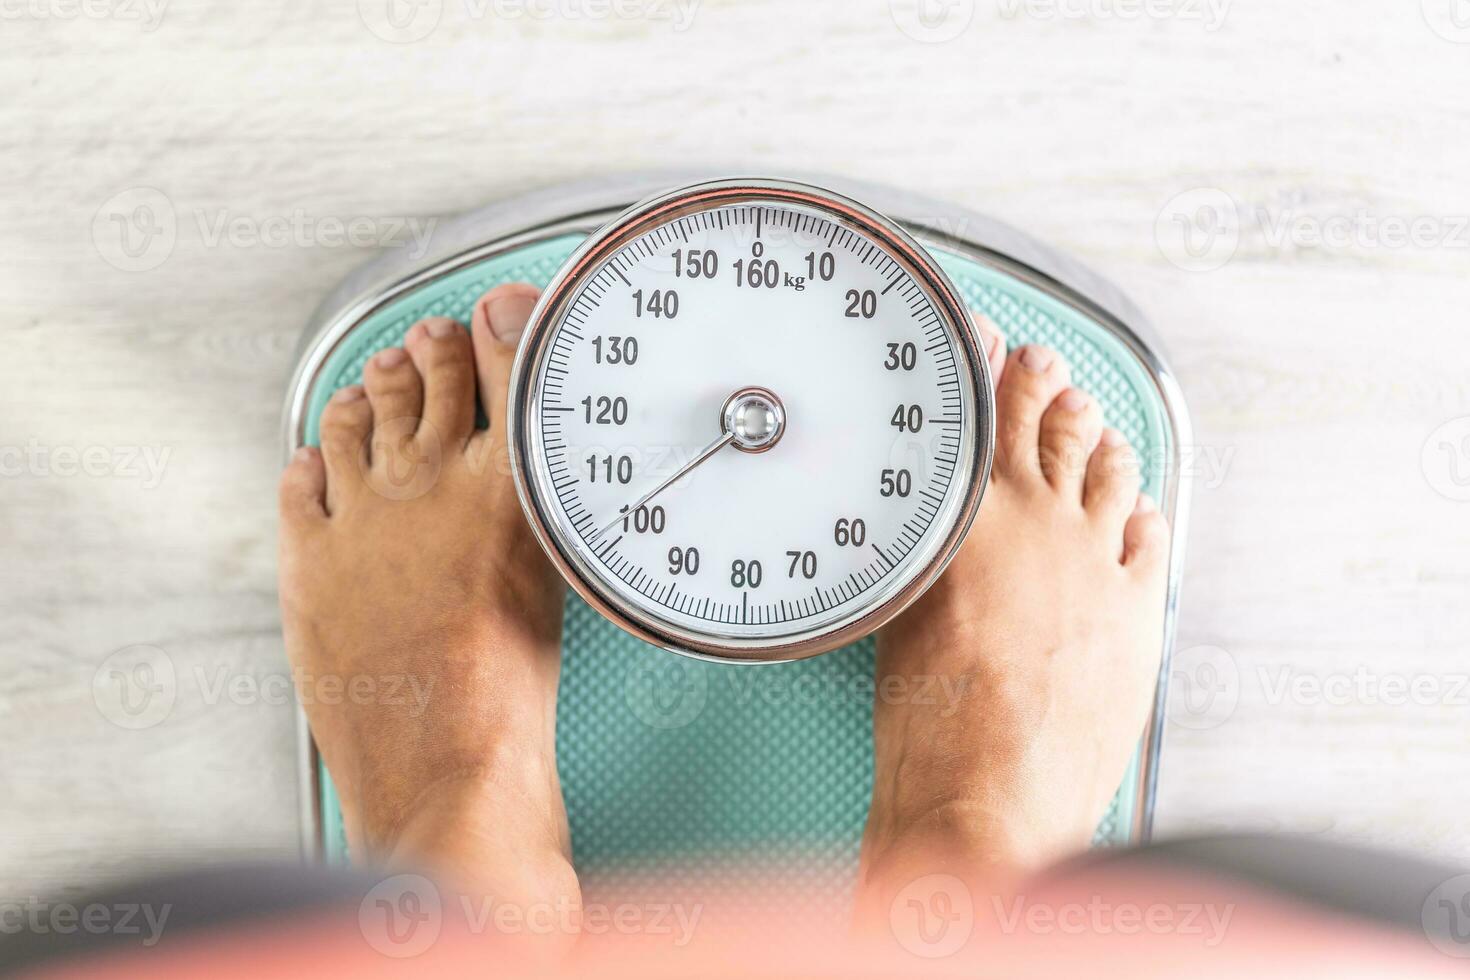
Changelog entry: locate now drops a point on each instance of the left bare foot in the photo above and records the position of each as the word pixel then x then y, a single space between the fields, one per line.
pixel 407 569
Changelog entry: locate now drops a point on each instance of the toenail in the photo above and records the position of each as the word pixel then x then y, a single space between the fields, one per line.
pixel 1072 400
pixel 1037 359
pixel 1145 505
pixel 1112 438
pixel 392 357
pixel 349 394
pixel 442 328
pixel 504 324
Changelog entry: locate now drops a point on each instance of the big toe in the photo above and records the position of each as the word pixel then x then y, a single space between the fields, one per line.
pixel 500 318
pixel 303 489
pixel 994 341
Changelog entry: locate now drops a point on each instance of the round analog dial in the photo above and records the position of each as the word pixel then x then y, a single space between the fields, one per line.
pixel 751 420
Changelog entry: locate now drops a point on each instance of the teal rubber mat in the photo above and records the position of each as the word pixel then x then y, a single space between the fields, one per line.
pixel 677 767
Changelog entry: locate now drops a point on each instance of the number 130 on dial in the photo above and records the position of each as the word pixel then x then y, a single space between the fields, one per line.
pixel 751 420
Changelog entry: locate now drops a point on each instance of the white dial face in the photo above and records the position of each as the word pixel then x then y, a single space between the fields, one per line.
pixel 751 423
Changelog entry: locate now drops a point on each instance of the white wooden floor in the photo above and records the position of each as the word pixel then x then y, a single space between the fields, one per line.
pixel 1331 547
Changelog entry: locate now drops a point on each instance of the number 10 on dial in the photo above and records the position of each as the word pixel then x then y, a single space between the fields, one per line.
pixel 751 420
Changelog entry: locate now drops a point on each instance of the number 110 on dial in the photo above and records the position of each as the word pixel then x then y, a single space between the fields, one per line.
pixel 751 420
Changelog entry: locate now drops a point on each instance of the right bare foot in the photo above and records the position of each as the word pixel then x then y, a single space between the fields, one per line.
pixel 1049 622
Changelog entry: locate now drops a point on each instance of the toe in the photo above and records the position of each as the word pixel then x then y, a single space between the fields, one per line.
pixel 1033 376
pixel 500 317
pixel 440 349
pixel 303 489
pixel 1146 537
pixel 994 342
pixel 1111 489
pixel 347 424
pixel 1070 430
pixel 396 392
pixel 394 388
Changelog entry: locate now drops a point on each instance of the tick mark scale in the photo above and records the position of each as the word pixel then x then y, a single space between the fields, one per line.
pixel 763 384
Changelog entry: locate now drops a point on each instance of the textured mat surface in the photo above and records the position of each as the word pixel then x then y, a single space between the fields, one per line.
pixel 682 768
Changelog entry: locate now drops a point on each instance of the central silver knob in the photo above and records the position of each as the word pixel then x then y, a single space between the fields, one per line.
pixel 754 418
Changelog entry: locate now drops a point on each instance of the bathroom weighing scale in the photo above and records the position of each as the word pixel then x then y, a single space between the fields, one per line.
pixel 716 697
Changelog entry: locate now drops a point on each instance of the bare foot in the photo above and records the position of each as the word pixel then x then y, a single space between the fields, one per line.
pixel 1048 625
pixel 424 621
